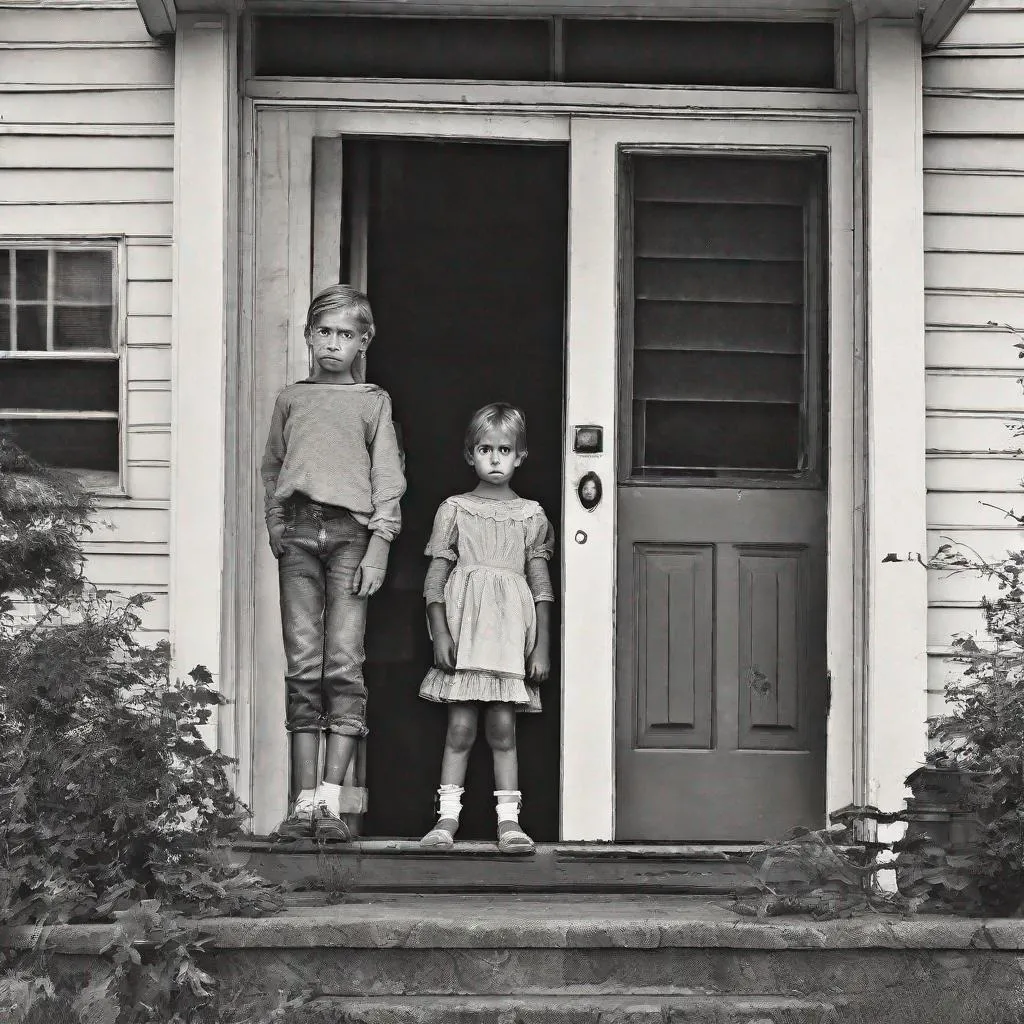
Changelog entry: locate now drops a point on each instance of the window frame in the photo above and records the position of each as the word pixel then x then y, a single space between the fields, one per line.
pixel 814 401
pixel 97 482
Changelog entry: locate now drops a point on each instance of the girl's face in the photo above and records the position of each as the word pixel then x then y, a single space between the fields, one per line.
pixel 494 457
pixel 335 340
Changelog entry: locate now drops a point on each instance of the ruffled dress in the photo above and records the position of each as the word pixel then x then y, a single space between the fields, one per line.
pixel 496 554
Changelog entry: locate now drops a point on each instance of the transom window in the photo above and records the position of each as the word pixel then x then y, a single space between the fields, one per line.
pixel 60 394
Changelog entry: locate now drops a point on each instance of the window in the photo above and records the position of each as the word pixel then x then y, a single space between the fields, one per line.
pixel 724 333
pixel 60 377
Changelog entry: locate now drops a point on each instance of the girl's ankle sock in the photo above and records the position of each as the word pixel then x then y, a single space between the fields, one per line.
pixel 449 803
pixel 305 797
pixel 508 802
pixel 330 794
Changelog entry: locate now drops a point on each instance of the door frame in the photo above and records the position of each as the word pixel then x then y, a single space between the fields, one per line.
pixel 705 119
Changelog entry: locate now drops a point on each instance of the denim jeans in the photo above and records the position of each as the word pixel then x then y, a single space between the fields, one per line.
pixel 322 620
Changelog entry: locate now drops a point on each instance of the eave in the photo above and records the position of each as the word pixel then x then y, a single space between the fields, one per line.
pixel 937 16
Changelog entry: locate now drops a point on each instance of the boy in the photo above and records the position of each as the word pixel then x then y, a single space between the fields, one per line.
pixel 333 476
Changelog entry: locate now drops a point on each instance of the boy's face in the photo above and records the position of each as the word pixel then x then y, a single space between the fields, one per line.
pixel 494 457
pixel 336 340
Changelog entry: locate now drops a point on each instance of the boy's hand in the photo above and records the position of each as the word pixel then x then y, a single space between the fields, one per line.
pixel 444 651
pixel 538 665
pixel 276 539
pixel 367 579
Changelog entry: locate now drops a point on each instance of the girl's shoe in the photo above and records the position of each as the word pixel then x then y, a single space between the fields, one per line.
pixel 512 839
pixel 298 824
pixel 440 837
pixel 329 826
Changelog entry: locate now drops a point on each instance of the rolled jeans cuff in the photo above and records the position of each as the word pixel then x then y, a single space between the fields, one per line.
pixel 347 727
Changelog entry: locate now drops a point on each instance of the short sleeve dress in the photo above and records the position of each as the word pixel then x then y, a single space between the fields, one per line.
pixel 489 597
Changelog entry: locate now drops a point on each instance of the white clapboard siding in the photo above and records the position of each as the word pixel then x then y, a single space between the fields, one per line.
pixel 87 186
pixel 974 274
pixel 979 348
pixel 979 233
pixel 86 148
pixel 135 107
pixel 970 434
pixel 86 152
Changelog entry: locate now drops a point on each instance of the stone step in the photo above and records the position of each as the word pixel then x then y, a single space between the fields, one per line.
pixel 559 1009
pixel 399 865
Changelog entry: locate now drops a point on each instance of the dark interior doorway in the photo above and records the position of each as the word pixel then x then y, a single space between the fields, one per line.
pixel 466 268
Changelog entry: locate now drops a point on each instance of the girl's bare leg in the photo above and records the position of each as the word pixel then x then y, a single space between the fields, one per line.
pixel 339 755
pixel 305 751
pixel 462 719
pixel 500 727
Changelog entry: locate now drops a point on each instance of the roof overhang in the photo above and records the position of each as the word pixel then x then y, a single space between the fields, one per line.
pixel 937 16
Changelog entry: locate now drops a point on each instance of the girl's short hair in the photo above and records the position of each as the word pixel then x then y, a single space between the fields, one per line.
pixel 496 416
pixel 341 297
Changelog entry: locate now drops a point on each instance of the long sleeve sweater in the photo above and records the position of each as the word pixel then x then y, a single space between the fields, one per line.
pixel 336 444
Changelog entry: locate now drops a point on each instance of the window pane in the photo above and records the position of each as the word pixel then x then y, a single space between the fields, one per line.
pixel 31 328
pixel 78 328
pixel 84 276
pixel 31 272
pixel 69 444
pixel 64 384
pixel 5 326
pixel 723 299
pixel 720 435
pixel 5 273
pixel 663 52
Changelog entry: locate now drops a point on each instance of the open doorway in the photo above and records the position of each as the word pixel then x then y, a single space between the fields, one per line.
pixel 462 249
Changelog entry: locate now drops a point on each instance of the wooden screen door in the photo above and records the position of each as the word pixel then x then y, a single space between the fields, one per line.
pixel 719 250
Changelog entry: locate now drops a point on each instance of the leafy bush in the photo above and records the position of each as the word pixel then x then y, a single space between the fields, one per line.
pixel 109 798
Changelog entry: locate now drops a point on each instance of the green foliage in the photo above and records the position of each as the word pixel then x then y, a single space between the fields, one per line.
pixel 111 804
pixel 824 873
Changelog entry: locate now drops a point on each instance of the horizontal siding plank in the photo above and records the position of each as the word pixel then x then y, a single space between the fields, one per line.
pixel 148 330
pixel 972 310
pixel 973 508
pixel 151 364
pixel 86 152
pixel 991 348
pixel 148 406
pixel 965 153
pixel 948 432
pixel 944 624
pixel 985 27
pixel 100 107
pixel 89 219
pixel 966 115
pixel 92 65
pixel 49 25
pixel 965 588
pixel 86 186
pixel 966 271
pixel 946 192
pixel 973 473
pixel 973 233
pixel 145 525
pixel 138 570
pixel 149 482
pixel 149 262
pixel 987 543
pixel 149 298
pixel 988 72
pixel 149 446
pixel 974 391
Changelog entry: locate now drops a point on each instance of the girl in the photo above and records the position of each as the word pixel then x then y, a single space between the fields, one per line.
pixel 489 596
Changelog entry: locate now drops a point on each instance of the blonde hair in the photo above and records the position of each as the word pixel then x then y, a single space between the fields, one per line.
pixel 496 416
pixel 341 297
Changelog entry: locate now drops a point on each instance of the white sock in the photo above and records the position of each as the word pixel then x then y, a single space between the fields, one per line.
pixel 449 802
pixel 329 793
pixel 508 803
pixel 305 797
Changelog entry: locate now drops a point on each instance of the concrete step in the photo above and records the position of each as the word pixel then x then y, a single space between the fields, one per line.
pixel 399 865
pixel 559 1009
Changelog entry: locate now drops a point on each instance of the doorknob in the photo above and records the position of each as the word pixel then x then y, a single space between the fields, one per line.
pixel 589 491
